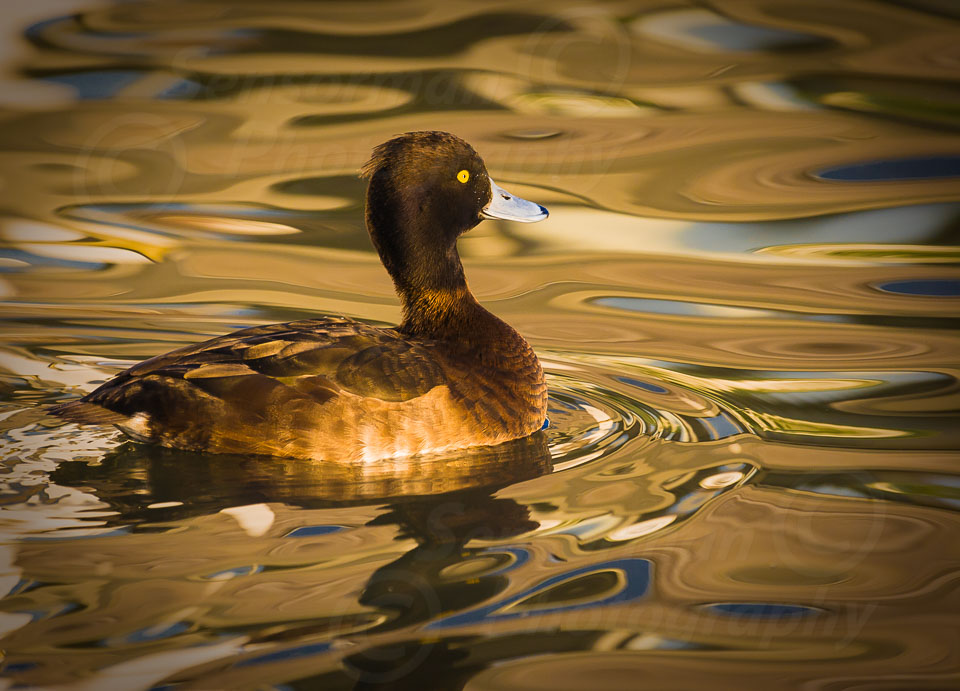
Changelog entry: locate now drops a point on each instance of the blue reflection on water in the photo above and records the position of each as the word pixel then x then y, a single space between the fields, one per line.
pixel 97 85
pixel 750 37
pixel 520 557
pixel 762 610
pixel 646 386
pixel 682 308
pixel 154 633
pixel 913 168
pixel 247 570
pixel 31 261
pixel 928 287
pixel 636 573
pixel 288 654
pixel 314 530
pixel 719 427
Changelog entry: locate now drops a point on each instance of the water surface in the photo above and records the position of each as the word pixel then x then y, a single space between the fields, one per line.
pixel 746 300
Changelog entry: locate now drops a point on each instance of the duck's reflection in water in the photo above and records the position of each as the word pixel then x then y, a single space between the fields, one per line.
pixel 442 505
pixel 136 477
pixel 424 583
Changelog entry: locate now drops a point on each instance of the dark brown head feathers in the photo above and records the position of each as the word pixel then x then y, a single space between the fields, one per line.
pixel 433 143
pixel 425 189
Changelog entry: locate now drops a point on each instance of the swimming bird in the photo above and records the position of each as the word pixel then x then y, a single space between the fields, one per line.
pixel 451 375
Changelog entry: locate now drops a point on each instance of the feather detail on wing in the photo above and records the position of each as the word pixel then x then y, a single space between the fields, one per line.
pixel 251 372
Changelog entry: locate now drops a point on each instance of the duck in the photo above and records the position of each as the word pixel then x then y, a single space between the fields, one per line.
pixel 451 375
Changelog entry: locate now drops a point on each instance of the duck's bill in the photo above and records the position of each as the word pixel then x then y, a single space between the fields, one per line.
pixel 510 207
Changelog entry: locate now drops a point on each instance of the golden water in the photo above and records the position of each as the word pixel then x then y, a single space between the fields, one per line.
pixel 745 299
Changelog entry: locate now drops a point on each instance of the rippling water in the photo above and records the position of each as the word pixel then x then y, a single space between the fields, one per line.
pixel 745 299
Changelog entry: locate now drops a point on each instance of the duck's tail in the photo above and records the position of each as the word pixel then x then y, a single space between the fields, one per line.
pixel 86 413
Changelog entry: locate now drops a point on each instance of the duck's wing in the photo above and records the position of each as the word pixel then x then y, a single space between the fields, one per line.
pixel 257 370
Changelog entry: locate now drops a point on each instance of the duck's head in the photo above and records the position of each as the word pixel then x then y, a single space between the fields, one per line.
pixel 425 190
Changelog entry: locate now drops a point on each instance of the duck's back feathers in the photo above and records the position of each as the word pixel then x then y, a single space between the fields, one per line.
pixel 322 388
pixel 350 356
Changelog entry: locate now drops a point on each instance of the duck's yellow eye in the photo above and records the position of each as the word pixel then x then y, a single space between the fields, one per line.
pixel 463 175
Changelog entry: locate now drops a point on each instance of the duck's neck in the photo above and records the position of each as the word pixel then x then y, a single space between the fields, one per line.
pixel 429 279
pixel 440 314
pixel 440 306
pixel 447 312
